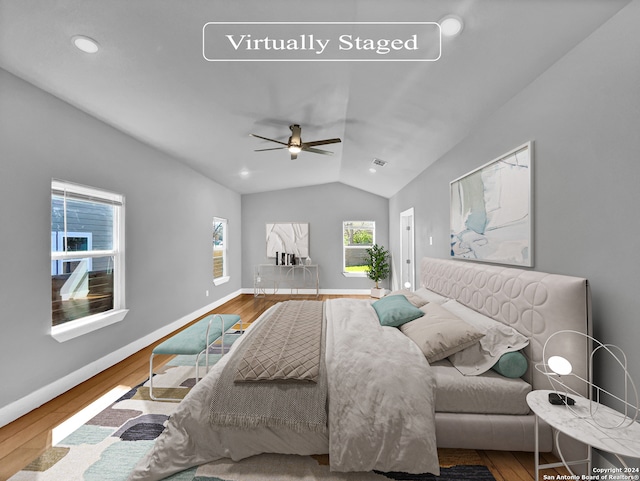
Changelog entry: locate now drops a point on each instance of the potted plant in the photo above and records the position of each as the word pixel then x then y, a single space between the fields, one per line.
pixel 377 268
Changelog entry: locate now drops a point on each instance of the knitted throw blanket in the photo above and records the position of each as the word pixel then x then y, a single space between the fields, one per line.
pixel 288 347
pixel 277 376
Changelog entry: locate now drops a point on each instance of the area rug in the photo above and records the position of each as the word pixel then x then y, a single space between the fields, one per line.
pixel 108 446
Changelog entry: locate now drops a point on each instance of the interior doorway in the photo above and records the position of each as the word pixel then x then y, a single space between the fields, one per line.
pixel 407 251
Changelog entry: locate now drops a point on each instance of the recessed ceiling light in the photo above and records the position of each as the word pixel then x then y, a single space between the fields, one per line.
pixel 451 25
pixel 86 44
pixel 372 170
pixel 244 172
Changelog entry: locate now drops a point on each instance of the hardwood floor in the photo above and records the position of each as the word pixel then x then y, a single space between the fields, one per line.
pixel 25 439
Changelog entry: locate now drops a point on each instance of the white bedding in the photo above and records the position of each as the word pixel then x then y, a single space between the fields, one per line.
pixel 381 408
pixel 381 394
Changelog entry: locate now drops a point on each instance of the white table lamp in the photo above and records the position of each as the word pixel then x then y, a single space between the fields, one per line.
pixel 558 370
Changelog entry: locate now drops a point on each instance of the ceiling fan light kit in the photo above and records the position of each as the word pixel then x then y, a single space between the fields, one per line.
pixel 295 145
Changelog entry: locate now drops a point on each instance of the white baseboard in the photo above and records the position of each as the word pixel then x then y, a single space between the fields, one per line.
pixel 346 292
pixel 22 406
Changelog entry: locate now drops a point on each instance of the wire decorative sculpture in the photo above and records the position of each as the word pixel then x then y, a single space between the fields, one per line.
pixel 559 370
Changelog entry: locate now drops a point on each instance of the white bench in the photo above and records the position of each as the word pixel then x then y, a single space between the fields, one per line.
pixel 194 340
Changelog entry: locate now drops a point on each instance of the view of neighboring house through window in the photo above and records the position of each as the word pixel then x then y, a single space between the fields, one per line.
pixel 87 236
pixel 358 236
pixel 220 264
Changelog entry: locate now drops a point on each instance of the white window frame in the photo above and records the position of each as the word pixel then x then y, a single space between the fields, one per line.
pixel 57 266
pixel 344 248
pixel 78 327
pixel 224 249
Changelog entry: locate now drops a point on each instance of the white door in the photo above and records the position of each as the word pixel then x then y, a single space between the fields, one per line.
pixel 407 251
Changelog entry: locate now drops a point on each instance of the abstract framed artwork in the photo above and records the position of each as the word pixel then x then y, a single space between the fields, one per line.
pixel 289 238
pixel 491 211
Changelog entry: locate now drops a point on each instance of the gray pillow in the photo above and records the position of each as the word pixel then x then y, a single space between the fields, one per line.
pixel 439 333
pixel 430 296
pixel 413 298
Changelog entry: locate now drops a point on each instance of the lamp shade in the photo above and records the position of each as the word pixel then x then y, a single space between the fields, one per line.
pixel 560 365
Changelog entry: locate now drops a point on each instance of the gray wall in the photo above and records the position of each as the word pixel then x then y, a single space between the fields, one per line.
pixel 583 115
pixel 324 207
pixel 169 211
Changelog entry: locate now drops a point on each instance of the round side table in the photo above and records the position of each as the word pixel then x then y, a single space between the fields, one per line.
pixel 576 422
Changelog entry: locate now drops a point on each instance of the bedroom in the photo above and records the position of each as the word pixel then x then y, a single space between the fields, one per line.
pixel 582 110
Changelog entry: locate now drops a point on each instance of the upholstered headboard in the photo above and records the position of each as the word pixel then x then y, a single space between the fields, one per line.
pixel 535 303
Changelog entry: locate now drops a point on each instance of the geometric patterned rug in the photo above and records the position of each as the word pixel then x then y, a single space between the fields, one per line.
pixel 108 446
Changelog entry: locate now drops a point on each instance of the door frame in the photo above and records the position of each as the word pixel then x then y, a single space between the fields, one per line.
pixel 407 250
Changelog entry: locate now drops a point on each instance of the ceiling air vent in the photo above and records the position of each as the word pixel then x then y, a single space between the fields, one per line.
pixel 379 162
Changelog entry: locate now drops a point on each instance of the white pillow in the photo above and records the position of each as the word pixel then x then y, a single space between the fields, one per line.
pixel 439 333
pixel 498 339
pixel 431 296
pixel 412 297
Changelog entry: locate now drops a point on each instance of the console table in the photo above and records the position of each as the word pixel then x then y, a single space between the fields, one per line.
pixel 269 278
pixel 576 422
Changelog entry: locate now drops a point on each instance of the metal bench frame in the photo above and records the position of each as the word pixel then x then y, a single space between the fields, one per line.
pixel 205 351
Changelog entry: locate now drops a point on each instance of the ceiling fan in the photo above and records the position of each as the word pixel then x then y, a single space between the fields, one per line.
pixel 296 145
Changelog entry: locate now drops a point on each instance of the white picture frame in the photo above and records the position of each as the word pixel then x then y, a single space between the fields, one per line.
pixel 491 210
pixel 288 238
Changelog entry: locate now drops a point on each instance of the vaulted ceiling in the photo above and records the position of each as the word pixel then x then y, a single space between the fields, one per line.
pixel 150 80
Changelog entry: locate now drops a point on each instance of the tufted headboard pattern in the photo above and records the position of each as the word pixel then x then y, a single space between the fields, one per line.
pixel 535 303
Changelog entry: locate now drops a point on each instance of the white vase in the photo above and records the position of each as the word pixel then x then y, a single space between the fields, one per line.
pixel 377 293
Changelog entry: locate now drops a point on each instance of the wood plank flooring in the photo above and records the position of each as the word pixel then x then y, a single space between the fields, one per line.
pixel 25 439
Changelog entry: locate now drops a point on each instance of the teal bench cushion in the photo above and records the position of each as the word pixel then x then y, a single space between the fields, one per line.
pixel 192 339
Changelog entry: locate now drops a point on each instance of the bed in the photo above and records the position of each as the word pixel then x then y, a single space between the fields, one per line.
pixel 387 407
pixel 536 304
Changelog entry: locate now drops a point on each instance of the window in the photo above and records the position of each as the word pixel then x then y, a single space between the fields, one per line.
pixel 87 259
pixel 358 236
pixel 220 264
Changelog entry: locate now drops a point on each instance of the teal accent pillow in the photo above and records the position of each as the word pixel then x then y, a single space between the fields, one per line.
pixel 396 310
pixel 511 364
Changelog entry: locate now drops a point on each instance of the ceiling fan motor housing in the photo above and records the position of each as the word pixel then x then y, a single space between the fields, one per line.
pixel 295 144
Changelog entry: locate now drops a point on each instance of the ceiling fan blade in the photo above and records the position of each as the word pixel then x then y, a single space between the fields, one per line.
pixel 321 142
pixel 273 148
pixel 270 140
pixel 316 151
pixel 295 142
